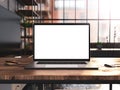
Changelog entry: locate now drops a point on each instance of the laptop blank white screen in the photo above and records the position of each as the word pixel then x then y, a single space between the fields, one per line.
pixel 61 42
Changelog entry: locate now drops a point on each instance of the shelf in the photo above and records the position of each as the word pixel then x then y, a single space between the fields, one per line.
pixel 29 10
pixel 27 2
pixel 43 13
pixel 26 36
pixel 28 13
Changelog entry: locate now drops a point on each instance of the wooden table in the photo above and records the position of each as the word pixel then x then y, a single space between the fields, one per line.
pixel 18 74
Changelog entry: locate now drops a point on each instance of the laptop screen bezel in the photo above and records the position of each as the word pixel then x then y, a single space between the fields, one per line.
pixel 59 60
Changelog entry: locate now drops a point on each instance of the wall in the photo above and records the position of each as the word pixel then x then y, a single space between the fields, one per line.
pixel 12 5
pixel 4 3
pixel 9 4
pixel 10 37
pixel 9 25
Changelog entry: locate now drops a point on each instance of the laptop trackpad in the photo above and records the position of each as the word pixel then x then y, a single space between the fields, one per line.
pixel 63 65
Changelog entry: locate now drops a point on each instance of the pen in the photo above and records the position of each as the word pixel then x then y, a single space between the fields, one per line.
pixel 114 65
pixel 107 65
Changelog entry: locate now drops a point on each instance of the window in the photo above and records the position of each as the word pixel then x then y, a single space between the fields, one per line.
pixel 115 5
pixel 115 31
pixel 93 30
pixel 103 16
pixel 104 9
pixel 69 4
pixel 92 9
pixel 104 31
pixel 81 9
pixel 71 9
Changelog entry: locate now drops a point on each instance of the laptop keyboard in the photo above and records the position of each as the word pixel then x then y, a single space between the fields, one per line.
pixel 61 65
pixel 62 62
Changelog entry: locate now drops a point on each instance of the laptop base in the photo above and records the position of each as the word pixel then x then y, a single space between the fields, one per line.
pixel 50 66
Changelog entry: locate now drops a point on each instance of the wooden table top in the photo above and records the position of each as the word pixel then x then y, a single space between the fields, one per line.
pixel 18 72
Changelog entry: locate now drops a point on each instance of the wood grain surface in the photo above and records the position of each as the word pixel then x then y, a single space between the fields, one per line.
pixel 17 72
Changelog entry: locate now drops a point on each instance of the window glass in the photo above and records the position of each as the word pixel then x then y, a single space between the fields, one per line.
pixel 104 31
pixel 69 9
pixel 104 9
pixel 93 31
pixel 80 9
pixel 92 9
pixel 115 31
pixel 69 21
pixel 69 3
pixel 80 21
pixel 115 5
pixel 58 4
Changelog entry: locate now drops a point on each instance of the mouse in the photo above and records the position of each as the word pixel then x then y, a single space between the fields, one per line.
pixel 108 65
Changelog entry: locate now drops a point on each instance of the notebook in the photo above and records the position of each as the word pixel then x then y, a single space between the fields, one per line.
pixel 61 46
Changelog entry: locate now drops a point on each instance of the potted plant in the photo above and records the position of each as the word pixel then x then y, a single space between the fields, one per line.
pixel 99 45
pixel 26 48
pixel 26 23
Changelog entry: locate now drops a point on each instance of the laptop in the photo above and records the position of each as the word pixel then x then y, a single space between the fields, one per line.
pixel 61 46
